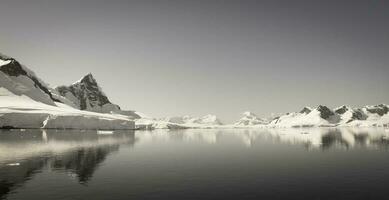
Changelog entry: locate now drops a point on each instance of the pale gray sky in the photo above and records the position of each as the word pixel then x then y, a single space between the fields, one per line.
pixel 169 58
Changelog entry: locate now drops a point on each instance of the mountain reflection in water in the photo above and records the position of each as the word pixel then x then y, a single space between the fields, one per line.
pixel 79 154
pixel 311 138
pixel 25 153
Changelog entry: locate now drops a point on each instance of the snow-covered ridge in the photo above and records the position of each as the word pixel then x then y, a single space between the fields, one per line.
pixel 27 102
pixel 20 80
pixel 208 120
pixel 4 62
pixel 23 112
pixel 341 116
pixel 250 119
pixel 184 122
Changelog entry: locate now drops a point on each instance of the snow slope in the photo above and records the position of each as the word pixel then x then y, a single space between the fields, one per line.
pixel 185 122
pixel 207 120
pixel 149 124
pixel 348 114
pixel 373 116
pixel 249 119
pixel 27 102
pixel 22 81
pixel 23 112
pixel 320 116
pixel 367 116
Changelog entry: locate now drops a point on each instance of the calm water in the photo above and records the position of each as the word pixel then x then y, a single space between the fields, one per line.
pixel 195 164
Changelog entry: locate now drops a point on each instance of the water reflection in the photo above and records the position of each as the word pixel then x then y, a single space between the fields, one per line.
pixel 79 154
pixel 310 138
pixel 25 153
pixel 334 138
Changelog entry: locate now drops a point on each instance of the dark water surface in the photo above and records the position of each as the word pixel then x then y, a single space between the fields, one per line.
pixel 195 164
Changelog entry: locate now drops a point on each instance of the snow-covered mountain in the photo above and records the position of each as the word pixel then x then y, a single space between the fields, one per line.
pixel 377 115
pixel 27 102
pixel 320 116
pixel 207 120
pixel 379 110
pixel 341 116
pixel 19 80
pixel 86 94
pixel 348 114
pixel 250 119
pixel 184 122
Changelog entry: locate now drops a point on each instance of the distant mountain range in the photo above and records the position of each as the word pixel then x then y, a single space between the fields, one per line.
pixel 28 102
pixel 342 116
pixel 250 119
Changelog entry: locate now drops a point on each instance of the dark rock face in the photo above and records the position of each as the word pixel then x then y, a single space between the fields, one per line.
pixel 87 92
pixel 358 115
pixel 341 110
pixel 379 109
pixel 305 110
pixel 14 68
pixel 325 112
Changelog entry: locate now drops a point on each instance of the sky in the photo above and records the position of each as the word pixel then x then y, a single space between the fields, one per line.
pixel 181 57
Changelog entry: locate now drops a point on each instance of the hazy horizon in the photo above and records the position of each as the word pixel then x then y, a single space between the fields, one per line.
pixel 174 58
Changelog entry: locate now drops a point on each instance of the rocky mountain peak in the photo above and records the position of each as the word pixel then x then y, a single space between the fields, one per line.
pixel 381 109
pixel 342 109
pixel 87 94
pixel 88 79
pixel 325 112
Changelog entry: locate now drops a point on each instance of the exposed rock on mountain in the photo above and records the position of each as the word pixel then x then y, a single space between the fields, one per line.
pixel 341 116
pixel 27 102
pixel 21 81
pixel 348 114
pixel 381 109
pixel 325 112
pixel 87 95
